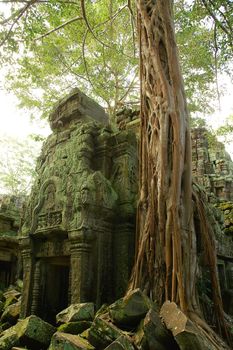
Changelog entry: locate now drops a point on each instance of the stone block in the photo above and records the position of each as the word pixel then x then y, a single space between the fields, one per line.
pixel 129 311
pixel 11 313
pixel 152 334
pixel 187 335
pixel 75 106
pixel 102 333
pixel 76 312
pixel 74 327
pixel 31 332
pixel 121 343
pixel 64 341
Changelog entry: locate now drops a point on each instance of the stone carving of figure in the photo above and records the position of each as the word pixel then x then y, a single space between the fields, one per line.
pixel 49 202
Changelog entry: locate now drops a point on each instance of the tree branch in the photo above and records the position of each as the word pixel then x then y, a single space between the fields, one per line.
pixel 59 27
pixel 212 14
pixel 88 25
pixel 23 10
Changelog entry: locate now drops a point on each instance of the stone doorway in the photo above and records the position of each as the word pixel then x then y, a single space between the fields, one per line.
pixel 55 287
pixel 5 274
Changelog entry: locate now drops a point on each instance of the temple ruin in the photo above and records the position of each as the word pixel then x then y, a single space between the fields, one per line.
pixel 10 210
pixel 76 243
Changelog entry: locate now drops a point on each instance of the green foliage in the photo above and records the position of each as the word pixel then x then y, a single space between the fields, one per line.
pixel 48 68
pixel 17 165
pixel 226 130
pixel 54 46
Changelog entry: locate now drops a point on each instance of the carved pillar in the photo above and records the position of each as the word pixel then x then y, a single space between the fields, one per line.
pixel 36 288
pixel 123 246
pixel 26 253
pixel 104 263
pixel 80 246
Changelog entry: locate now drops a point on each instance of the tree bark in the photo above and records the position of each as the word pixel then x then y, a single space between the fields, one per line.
pixel 166 257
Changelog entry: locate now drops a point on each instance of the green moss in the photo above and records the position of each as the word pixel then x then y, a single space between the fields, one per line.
pixel 74 327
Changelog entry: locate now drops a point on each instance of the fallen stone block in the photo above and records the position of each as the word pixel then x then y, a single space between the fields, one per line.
pixel 10 299
pixel 11 292
pixel 152 334
pixel 11 313
pixel 102 333
pixel 121 343
pixel 31 332
pixel 185 332
pixel 76 312
pixel 64 341
pixel 74 327
pixel 129 311
pixel 8 339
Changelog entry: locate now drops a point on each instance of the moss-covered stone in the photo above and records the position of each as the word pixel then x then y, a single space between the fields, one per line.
pixel 8 339
pixel 64 341
pixel 11 313
pixel 152 334
pixel 129 310
pixel 74 327
pixel 102 333
pixel 31 332
pixel 76 312
pixel 121 343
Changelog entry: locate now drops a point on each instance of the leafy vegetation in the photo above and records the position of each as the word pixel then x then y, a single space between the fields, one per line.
pixel 53 46
pixel 17 165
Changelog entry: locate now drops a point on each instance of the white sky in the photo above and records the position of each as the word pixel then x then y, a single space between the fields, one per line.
pixel 16 122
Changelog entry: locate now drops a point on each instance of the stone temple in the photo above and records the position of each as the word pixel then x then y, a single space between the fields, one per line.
pixel 77 240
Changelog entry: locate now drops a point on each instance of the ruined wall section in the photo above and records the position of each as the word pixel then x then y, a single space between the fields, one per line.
pixel 81 212
pixel 10 213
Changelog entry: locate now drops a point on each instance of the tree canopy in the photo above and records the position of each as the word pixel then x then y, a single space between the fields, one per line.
pixel 56 44
pixel 48 47
pixel 17 165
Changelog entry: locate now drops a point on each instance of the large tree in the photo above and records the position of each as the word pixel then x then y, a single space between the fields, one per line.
pixel 54 45
pixel 166 259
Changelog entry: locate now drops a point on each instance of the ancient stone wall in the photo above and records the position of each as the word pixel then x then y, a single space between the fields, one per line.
pixel 79 225
pixel 212 165
pixel 10 212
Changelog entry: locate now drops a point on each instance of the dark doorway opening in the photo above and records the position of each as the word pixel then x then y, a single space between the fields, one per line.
pixel 5 274
pixel 55 287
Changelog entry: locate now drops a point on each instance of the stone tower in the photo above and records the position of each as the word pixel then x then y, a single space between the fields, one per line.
pixel 77 240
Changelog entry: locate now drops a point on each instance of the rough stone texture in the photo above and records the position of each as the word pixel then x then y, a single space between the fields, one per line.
pixel 186 334
pixel 31 332
pixel 102 333
pixel 8 339
pixel 75 106
pixel 77 239
pixel 76 312
pixel 212 166
pixel 152 334
pixel 10 211
pixel 129 310
pixel 64 341
pixel 74 327
pixel 11 313
pixel 121 343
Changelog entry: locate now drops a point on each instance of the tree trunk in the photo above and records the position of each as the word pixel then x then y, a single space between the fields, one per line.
pixel 166 257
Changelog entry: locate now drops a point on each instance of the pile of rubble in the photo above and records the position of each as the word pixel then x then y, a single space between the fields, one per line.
pixel 10 303
pixel 132 322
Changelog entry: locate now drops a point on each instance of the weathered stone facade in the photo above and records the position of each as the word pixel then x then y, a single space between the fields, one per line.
pixel 213 169
pixel 77 241
pixel 77 238
pixel 10 208
pixel 212 166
